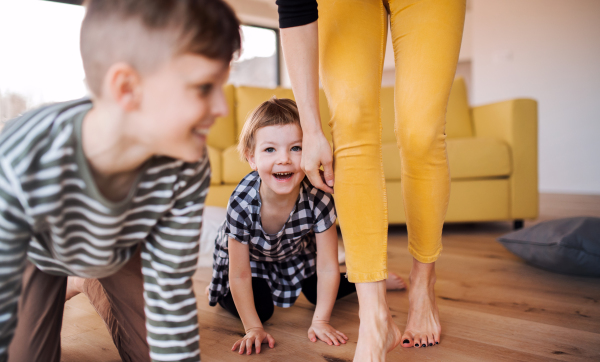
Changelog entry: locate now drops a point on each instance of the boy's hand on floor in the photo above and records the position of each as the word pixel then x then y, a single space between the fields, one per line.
pixel 325 332
pixel 256 337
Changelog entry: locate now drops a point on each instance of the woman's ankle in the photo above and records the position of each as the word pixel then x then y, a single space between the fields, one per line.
pixel 422 274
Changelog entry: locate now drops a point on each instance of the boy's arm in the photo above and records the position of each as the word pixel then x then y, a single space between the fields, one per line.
pixel 14 238
pixel 328 282
pixel 240 283
pixel 169 258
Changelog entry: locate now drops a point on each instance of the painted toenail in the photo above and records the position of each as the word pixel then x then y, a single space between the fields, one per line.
pixel 431 344
pixel 437 342
pixel 417 345
pixel 423 345
pixel 406 341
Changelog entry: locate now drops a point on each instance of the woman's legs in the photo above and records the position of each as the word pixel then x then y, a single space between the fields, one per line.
pixel 426 36
pixel 352 37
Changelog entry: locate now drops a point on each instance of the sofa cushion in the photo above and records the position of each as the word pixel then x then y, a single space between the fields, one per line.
pixel 222 133
pixel 458 115
pixel 248 98
pixel 476 157
pixel 468 158
pixel 569 246
pixel 216 173
pixel 234 169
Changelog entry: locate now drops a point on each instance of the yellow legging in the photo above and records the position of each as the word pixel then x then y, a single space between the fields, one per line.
pixel 426 37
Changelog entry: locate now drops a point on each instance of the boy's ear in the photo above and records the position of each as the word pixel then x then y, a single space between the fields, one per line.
pixel 123 85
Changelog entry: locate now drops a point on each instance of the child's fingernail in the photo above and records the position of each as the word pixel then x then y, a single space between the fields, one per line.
pixel 406 341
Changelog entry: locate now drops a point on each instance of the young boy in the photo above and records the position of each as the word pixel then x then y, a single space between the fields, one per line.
pixel 86 184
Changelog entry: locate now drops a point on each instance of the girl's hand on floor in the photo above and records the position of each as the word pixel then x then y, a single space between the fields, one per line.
pixel 256 337
pixel 325 332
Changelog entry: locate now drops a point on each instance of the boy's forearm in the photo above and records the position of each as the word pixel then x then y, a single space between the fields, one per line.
pixel 328 283
pixel 243 297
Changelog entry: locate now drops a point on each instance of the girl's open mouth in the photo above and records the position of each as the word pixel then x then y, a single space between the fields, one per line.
pixel 283 176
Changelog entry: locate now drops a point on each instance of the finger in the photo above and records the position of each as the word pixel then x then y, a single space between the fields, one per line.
pixel 315 179
pixel 342 334
pixel 325 339
pixel 271 340
pixel 235 345
pixel 328 173
pixel 257 344
pixel 312 336
pixel 242 346
pixel 340 337
pixel 248 346
pixel 333 338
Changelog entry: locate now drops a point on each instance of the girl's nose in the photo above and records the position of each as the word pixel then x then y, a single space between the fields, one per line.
pixel 284 158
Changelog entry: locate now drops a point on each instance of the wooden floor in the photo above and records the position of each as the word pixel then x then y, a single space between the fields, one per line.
pixel 493 307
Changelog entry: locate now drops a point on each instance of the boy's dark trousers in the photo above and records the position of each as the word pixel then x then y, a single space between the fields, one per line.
pixel 118 299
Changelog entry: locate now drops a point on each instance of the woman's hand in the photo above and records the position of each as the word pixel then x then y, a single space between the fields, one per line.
pixel 256 337
pixel 316 152
pixel 325 332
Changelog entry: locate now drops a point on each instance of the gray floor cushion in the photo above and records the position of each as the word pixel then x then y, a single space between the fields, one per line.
pixel 568 246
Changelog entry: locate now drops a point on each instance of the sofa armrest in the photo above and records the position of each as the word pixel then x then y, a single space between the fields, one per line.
pixel 516 123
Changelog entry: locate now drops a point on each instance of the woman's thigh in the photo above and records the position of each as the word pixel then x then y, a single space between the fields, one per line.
pixel 352 39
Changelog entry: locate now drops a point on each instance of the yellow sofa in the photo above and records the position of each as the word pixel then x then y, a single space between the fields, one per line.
pixel 492 151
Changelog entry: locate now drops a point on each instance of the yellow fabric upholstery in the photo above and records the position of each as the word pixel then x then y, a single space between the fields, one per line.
pixel 216 166
pixel 492 152
pixel 458 115
pixel 248 98
pixel 234 169
pixel 222 133
pixel 515 122
pixel 476 157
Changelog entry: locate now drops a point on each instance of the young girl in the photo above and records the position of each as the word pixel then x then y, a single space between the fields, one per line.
pixel 266 250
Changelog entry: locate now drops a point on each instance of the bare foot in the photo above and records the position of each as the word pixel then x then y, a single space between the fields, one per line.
pixel 423 328
pixel 394 282
pixel 74 287
pixel 377 334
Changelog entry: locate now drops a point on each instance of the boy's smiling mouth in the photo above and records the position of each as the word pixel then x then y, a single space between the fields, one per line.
pixel 283 176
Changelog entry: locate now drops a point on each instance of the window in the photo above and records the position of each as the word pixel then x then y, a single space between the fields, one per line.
pixel 258 64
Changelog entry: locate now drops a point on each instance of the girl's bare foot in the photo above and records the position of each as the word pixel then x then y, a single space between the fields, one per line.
pixel 377 334
pixel 394 282
pixel 423 328
pixel 74 287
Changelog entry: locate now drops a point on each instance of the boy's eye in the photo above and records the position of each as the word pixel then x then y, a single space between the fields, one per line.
pixel 270 149
pixel 205 89
pixel 296 149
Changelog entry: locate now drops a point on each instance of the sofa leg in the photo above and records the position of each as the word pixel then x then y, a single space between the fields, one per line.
pixel 518 224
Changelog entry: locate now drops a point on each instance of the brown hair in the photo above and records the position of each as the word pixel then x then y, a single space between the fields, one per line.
pixel 274 112
pixel 144 33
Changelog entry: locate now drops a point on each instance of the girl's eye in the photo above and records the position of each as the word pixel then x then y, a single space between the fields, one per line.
pixel 205 89
pixel 296 148
pixel 269 149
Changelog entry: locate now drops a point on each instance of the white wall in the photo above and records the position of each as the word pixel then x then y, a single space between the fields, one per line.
pixel 548 50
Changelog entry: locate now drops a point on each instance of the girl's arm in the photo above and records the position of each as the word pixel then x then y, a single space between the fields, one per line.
pixel 240 283
pixel 328 282
pixel 301 53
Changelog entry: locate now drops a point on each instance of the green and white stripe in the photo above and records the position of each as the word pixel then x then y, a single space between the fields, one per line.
pixel 52 213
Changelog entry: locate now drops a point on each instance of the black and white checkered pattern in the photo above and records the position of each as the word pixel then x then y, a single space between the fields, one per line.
pixel 283 259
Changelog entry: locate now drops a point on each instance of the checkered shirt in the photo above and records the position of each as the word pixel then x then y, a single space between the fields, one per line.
pixel 283 259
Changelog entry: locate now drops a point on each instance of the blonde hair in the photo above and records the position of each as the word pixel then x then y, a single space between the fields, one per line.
pixel 274 112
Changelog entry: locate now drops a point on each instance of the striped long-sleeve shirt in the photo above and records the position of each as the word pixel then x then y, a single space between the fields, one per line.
pixel 52 213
